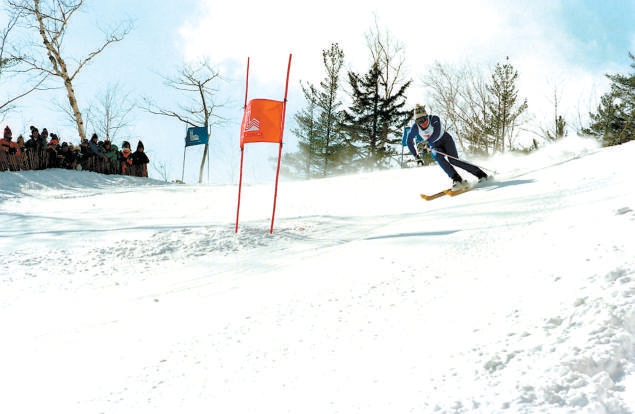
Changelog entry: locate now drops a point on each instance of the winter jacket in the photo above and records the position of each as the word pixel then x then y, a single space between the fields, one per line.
pixel 139 157
pixel 432 134
pixel 126 160
pixel 112 153
pixel 94 148
pixel 9 147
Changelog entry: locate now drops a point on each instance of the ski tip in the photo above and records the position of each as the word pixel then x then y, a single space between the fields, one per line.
pixel 432 196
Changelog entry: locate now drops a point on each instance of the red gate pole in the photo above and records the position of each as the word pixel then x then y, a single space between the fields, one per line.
pixel 242 153
pixel 240 185
pixel 284 112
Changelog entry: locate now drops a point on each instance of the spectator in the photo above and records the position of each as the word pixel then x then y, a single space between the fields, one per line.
pixel 93 144
pixel 99 159
pixel 68 157
pixel 34 149
pixel 9 151
pixel 140 161
pixel 84 155
pixel 52 149
pixel 126 159
pixel 6 143
pixel 23 154
pixel 20 142
pixel 40 146
pixel 112 153
pixel 44 138
pixel 34 138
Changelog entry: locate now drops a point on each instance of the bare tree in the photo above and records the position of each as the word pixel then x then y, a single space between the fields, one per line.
pixel 9 67
pixel 460 95
pixel 446 84
pixel 199 108
pixel 109 115
pixel 559 124
pixel 51 19
pixel 161 169
pixel 389 55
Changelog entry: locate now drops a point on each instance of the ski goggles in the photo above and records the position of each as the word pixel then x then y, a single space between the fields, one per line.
pixel 423 121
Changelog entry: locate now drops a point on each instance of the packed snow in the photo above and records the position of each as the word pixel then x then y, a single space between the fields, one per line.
pixel 128 295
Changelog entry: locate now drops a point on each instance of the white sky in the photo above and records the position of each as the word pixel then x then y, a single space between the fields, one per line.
pixel 570 44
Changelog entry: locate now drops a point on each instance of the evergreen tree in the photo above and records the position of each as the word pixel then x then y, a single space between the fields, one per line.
pixel 373 118
pixel 614 121
pixel 504 108
pixel 560 125
pixel 321 144
pixel 302 163
pixel 333 144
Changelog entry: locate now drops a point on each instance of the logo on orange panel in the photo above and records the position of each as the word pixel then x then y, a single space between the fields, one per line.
pixel 252 125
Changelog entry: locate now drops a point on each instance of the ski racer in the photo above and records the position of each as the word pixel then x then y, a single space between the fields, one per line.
pixel 427 133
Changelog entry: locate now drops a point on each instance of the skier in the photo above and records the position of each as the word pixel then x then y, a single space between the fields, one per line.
pixel 427 133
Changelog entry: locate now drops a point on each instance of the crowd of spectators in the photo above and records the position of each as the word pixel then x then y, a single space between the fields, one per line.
pixel 41 151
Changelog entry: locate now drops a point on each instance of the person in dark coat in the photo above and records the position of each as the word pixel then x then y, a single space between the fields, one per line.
pixel 97 160
pixel 93 144
pixel 140 161
pixel 34 138
pixel 68 158
pixel 52 151
pixel 36 151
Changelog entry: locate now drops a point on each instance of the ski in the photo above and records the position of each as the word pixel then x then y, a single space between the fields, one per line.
pixel 433 196
pixel 458 191
pixel 452 192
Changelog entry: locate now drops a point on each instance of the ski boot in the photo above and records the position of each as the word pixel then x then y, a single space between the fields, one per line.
pixel 458 182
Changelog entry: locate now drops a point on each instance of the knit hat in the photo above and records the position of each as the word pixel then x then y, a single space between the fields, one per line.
pixel 140 145
pixel 7 132
pixel 420 111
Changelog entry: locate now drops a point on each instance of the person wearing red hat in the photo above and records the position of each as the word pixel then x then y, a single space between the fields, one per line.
pixel 9 151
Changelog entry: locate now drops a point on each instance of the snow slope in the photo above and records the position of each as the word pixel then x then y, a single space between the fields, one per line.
pixel 120 294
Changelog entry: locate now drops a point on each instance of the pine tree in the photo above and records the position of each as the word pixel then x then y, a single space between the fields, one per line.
pixel 321 144
pixel 333 144
pixel 614 121
pixel 372 118
pixel 560 125
pixel 504 107
pixel 302 163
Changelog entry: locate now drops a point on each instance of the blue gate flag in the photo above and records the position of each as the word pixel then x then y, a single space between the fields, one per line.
pixel 196 136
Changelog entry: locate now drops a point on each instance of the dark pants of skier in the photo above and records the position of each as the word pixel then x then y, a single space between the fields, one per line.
pixel 446 145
